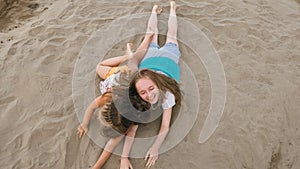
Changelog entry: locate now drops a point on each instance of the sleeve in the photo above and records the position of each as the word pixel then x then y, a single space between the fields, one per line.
pixel 169 100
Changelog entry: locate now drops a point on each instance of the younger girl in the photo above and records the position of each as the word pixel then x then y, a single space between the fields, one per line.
pixel 110 71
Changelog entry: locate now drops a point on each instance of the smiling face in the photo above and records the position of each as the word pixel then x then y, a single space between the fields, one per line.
pixel 147 90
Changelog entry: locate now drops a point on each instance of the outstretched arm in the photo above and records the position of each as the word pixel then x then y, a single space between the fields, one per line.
pixel 125 163
pixel 109 147
pixel 98 102
pixel 152 153
pixel 83 127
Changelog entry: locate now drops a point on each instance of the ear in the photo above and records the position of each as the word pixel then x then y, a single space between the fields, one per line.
pixel 106 97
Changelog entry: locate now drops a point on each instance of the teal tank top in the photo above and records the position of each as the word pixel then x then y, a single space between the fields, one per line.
pixel 163 64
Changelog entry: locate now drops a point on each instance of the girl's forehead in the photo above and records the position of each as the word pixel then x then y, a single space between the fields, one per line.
pixel 145 79
pixel 145 83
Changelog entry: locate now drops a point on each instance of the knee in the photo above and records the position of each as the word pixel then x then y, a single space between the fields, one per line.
pixel 98 67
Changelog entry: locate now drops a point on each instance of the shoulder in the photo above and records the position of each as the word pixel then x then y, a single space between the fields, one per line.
pixel 169 96
pixel 169 100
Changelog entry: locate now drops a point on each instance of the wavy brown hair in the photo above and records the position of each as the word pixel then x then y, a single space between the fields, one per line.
pixel 113 119
pixel 163 82
pixel 118 113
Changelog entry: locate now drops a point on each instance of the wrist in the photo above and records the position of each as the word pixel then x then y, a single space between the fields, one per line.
pixel 84 125
pixel 124 157
pixel 155 147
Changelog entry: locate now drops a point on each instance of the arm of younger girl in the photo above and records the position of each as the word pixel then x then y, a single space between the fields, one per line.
pixel 125 163
pixel 98 102
pixel 83 127
pixel 109 147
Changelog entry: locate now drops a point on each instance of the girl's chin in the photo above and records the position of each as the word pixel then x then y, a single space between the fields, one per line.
pixel 153 101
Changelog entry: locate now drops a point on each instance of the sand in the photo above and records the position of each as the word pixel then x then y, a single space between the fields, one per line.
pixel 258 43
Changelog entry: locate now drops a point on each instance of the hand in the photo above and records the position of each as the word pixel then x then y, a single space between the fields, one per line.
pixel 82 130
pixel 125 163
pixel 152 156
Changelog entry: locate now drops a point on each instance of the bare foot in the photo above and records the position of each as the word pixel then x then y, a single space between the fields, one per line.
pixel 157 10
pixel 173 5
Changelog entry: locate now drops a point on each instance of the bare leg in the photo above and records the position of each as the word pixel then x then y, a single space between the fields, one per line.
pixel 152 23
pixel 140 51
pixel 172 24
pixel 104 66
pixel 109 147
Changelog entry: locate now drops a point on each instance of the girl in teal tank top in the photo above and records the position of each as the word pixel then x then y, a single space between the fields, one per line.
pixel 157 81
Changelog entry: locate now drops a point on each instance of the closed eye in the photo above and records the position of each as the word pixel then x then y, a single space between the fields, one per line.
pixel 142 92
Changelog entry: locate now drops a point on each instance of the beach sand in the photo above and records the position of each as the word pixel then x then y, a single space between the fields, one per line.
pixel 258 43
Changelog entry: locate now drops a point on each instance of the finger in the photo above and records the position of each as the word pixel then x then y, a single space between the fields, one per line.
pixel 78 132
pixel 152 163
pixel 149 161
pixel 131 166
pixel 82 133
pixel 147 155
pixel 154 160
pixel 146 165
pixel 149 166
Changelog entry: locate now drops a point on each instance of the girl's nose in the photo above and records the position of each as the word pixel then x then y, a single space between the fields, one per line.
pixel 148 95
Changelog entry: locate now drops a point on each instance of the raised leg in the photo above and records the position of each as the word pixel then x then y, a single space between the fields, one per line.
pixel 141 51
pixel 152 23
pixel 172 24
pixel 104 66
